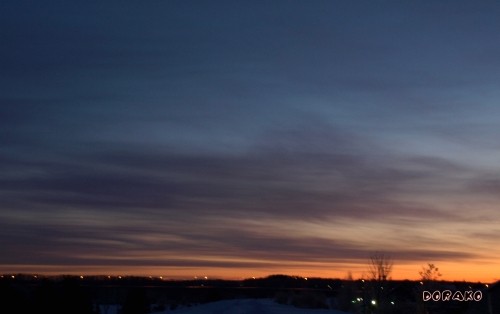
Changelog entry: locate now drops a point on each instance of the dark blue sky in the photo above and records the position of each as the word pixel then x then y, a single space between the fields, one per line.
pixel 235 138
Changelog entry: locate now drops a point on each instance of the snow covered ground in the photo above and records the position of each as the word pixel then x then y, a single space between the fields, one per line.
pixel 247 306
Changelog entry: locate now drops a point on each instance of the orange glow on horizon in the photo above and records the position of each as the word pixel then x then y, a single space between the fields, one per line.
pixel 487 273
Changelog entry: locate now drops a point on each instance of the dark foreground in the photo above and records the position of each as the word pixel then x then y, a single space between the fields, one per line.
pixel 138 295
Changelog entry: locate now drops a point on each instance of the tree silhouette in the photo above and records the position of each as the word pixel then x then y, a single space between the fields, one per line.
pixel 380 266
pixel 379 271
pixel 430 273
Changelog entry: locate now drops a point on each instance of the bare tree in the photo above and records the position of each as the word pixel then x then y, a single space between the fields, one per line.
pixel 379 271
pixel 430 273
pixel 380 266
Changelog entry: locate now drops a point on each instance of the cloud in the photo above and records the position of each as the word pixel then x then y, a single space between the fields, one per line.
pixel 170 244
pixel 300 174
pixel 117 204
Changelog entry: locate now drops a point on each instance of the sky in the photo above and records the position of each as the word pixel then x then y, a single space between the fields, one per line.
pixel 233 139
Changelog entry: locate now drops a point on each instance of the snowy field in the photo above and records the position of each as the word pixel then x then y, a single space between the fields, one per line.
pixel 238 306
pixel 247 306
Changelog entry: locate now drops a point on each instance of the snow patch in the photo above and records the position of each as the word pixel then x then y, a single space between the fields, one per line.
pixel 247 306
